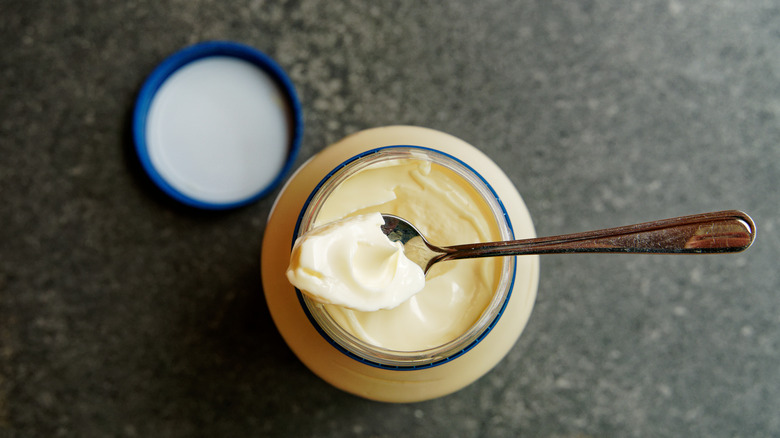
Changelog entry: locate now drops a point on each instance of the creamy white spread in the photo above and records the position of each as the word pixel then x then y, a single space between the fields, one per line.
pixel 448 211
pixel 351 263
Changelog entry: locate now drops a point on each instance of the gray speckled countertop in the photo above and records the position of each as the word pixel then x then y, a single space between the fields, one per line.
pixel 123 314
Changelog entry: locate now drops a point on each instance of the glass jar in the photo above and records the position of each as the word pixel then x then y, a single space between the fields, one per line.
pixel 357 366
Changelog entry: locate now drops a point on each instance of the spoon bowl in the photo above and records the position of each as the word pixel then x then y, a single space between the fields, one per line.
pixel 708 233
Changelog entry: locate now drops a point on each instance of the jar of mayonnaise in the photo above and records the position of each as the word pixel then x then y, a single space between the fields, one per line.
pixel 470 313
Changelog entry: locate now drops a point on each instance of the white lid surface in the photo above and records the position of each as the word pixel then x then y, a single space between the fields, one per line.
pixel 219 130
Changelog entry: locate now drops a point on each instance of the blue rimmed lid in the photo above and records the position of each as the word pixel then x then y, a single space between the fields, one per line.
pixel 217 125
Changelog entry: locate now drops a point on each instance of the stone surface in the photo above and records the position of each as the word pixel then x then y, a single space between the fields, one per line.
pixel 124 314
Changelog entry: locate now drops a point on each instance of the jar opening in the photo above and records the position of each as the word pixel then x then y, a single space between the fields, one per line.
pixel 378 356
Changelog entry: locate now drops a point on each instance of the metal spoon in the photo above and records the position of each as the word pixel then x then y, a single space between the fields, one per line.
pixel 717 232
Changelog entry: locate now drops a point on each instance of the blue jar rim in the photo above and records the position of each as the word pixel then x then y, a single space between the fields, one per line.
pixel 455 354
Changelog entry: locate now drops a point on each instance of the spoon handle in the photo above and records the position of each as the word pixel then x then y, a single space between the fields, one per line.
pixel 717 232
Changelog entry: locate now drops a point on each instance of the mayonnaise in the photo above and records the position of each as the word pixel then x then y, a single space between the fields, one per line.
pixel 351 263
pixel 324 345
pixel 447 210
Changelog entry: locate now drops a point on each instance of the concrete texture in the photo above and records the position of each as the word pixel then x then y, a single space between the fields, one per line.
pixel 123 314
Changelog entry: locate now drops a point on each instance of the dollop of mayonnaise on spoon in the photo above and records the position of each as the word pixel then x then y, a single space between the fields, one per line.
pixel 351 263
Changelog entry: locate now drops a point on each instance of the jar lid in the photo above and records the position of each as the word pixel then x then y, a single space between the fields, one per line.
pixel 217 125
